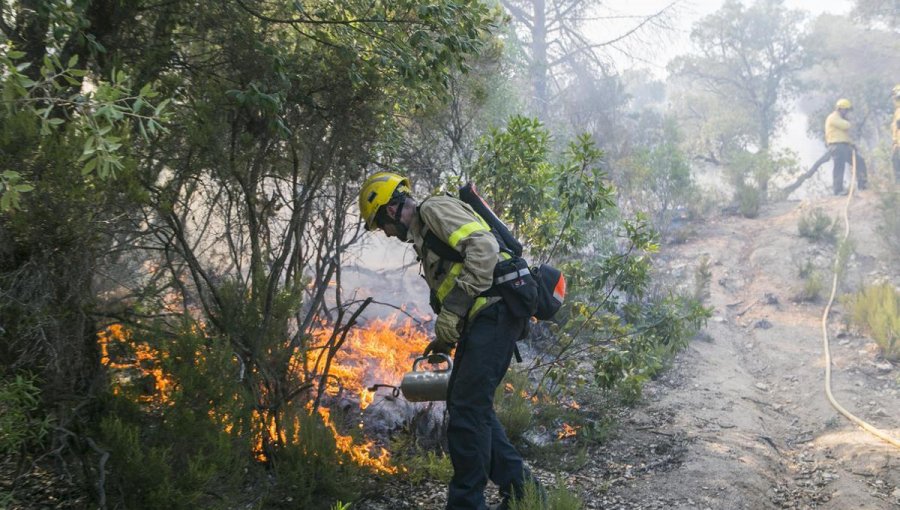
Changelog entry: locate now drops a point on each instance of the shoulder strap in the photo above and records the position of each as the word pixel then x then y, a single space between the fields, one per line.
pixel 433 243
pixel 442 249
pixel 445 251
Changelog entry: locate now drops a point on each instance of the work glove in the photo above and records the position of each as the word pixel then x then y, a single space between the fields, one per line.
pixel 446 329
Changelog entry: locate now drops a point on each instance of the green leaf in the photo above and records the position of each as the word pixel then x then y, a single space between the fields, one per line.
pixel 160 107
pixel 55 121
pixel 14 54
pixel 89 166
pixel 73 60
pixel 23 188
pixel 6 201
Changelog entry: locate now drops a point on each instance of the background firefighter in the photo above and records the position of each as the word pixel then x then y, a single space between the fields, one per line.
pixel 471 319
pixel 840 145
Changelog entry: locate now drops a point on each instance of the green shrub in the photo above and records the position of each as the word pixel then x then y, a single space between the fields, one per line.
pixel 812 282
pixel 421 466
pixel 702 278
pixel 513 405
pixel 661 327
pixel 557 498
pixel 21 421
pixel 877 309
pixel 173 450
pixel 749 200
pixel 311 469
pixel 817 226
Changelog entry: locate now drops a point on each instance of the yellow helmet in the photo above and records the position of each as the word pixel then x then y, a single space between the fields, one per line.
pixel 843 104
pixel 377 191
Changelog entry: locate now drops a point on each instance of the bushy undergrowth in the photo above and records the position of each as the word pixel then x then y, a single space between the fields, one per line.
pixel 557 497
pixel 749 200
pixel 661 327
pixel 420 465
pixel 513 404
pixel 877 310
pixel 812 282
pixel 702 279
pixel 21 423
pixel 195 441
pixel 817 226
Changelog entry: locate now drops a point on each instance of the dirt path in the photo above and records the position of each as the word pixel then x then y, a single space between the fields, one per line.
pixel 741 420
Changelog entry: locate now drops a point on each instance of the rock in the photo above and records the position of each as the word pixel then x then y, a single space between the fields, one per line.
pixel 762 386
pixel 884 366
pixel 896 495
pixel 770 299
pixel 762 324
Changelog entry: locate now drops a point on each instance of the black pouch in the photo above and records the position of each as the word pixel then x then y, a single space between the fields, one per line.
pixel 551 291
pixel 514 283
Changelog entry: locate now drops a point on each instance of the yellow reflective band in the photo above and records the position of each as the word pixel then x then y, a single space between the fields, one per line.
pixel 464 231
pixel 478 305
pixel 449 281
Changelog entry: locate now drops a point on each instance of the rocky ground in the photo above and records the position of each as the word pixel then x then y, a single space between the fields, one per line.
pixel 741 421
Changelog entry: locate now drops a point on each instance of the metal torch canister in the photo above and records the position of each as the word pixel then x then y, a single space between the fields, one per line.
pixel 427 385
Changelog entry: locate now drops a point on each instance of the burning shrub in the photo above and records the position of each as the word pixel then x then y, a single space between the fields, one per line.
pixel 312 465
pixel 513 404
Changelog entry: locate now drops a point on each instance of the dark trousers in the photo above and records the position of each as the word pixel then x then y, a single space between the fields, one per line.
pixel 479 448
pixel 842 154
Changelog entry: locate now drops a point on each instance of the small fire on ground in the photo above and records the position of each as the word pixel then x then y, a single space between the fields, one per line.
pixel 381 352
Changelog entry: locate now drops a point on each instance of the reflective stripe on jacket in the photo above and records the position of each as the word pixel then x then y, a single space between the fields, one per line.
pixel 837 129
pixel 456 284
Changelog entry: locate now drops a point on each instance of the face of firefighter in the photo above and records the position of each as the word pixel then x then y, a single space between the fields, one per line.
pixel 400 227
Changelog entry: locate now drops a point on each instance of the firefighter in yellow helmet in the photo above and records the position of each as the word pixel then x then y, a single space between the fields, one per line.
pixel 837 137
pixel 895 133
pixel 471 318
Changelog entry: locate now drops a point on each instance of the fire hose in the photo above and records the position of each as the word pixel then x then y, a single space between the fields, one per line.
pixel 834 403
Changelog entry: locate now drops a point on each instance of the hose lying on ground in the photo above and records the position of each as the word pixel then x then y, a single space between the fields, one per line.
pixel 834 403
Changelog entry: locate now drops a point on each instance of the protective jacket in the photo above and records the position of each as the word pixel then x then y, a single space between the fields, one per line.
pixel 837 129
pixel 895 124
pixel 456 285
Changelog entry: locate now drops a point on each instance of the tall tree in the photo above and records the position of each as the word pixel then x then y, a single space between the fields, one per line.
pixel 556 40
pixel 747 61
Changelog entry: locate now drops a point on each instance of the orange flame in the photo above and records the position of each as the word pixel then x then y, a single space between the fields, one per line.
pixel 381 352
pixel 567 431
pixel 146 361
